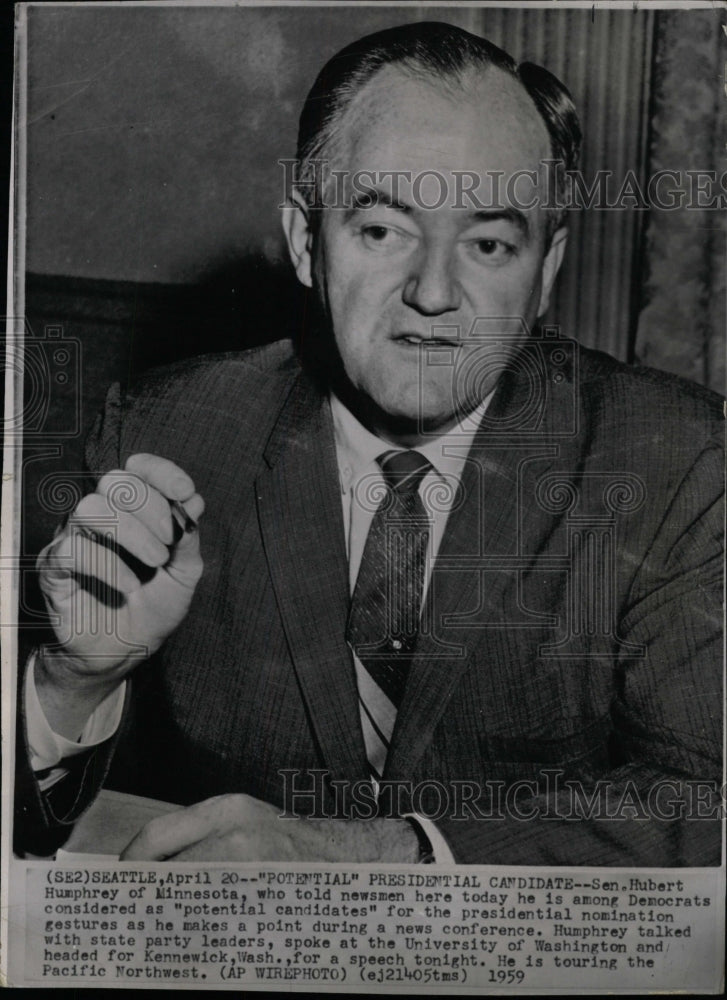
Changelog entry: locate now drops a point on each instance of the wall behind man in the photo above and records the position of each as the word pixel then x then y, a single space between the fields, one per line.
pixel 153 140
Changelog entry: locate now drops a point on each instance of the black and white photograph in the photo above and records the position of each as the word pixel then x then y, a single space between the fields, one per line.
pixel 363 524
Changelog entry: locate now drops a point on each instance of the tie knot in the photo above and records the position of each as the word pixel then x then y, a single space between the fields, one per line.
pixel 403 470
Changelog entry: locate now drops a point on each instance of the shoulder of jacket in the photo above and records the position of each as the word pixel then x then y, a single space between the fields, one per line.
pixel 214 376
pixel 648 394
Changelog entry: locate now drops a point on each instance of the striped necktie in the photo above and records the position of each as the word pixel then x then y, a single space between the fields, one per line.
pixel 383 623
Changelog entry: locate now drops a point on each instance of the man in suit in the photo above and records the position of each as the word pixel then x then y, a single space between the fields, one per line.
pixel 455 587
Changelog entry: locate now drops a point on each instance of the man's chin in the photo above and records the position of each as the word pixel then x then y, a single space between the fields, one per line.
pixel 409 426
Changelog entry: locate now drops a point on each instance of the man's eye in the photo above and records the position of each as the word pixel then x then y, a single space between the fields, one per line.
pixel 493 251
pixel 383 237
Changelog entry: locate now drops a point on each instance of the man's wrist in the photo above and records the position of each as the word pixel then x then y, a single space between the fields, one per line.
pixel 66 672
pixel 67 696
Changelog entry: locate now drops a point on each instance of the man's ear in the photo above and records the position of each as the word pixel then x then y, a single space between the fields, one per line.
pixel 296 226
pixel 551 266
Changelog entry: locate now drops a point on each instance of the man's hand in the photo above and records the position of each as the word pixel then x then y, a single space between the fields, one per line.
pixel 241 828
pixel 117 579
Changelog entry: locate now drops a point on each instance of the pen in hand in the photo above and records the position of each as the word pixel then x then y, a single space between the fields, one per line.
pixel 182 518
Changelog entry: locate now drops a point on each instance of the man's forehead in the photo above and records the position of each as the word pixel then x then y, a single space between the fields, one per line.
pixel 482 121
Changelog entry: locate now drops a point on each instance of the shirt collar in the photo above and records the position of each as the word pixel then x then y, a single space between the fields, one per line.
pixel 357 448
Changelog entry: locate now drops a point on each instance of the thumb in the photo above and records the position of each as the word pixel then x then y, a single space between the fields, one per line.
pixel 185 565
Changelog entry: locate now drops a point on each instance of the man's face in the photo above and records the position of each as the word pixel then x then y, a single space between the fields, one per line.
pixel 398 279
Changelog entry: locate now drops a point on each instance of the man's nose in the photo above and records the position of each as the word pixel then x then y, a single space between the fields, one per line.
pixel 432 287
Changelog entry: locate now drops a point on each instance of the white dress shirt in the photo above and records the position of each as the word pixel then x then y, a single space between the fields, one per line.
pixel 362 488
pixel 48 748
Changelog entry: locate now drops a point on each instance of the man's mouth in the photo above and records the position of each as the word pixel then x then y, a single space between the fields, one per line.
pixel 416 340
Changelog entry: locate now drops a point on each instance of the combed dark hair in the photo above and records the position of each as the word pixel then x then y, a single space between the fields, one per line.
pixel 432 49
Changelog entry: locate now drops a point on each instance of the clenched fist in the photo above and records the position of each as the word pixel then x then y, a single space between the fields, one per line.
pixel 117 579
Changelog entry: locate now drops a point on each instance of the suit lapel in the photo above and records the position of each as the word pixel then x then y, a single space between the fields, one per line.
pixel 483 530
pixel 299 507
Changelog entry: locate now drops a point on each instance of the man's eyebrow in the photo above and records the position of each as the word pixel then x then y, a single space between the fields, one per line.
pixel 372 197
pixel 512 215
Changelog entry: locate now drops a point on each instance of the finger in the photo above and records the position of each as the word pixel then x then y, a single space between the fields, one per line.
pixel 92 516
pixel 194 506
pixel 188 513
pixel 185 565
pixel 235 846
pixel 168 835
pixel 77 555
pixel 126 492
pixel 56 578
pixel 163 475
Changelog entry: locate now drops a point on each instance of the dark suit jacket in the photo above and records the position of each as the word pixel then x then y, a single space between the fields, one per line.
pixel 573 620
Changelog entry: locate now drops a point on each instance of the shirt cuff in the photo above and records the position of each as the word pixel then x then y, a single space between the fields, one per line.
pixel 440 848
pixel 48 748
